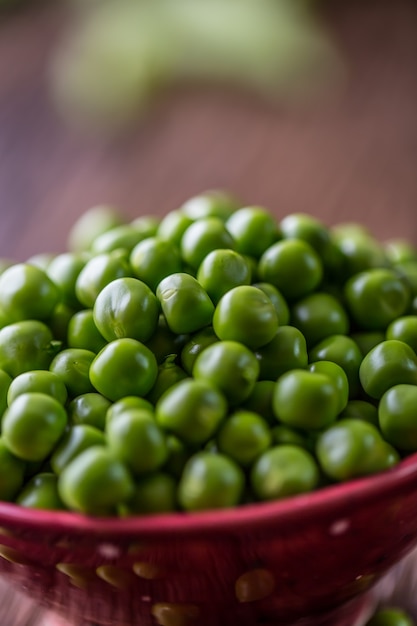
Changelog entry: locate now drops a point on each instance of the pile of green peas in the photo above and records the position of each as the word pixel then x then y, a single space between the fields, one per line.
pixel 213 357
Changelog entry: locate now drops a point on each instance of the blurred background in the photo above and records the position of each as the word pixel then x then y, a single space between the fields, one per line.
pixel 297 105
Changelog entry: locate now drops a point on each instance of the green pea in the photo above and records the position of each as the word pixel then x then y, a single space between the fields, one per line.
pixel 178 455
pixel 169 373
pixel 230 367
pixel 95 482
pixel 210 481
pixel 352 448
pixel 284 435
pixel 367 340
pixel 173 225
pixel 164 342
pixel 126 404
pixel 191 410
pixel 243 437
pixel 407 272
pixel 41 260
pixel 282 471
pixel 185 304
pixel 361 410
pixel 156 493
pixel 12 473
pixel 33 425
pixel 246 315
pixel 137 440
pixel 83 332
pixel 77 439
pixel 286 351
pixel 41 381
pixel 221 270
pixel 400 251
pixel 398 418
pixel 197 343
pixel 260 400
pixel 253 229
pixel 306 399
pixel 89 409
pixel 307 228
pixel 125 367
pixel 63 270
pixel 41 492
pixel 338 376
pixel 391 617
pixel 5 381
pixel 72 366
pixel 146 224
pixel 390 363
pixel 26 346
pixel 26 293
pixel 97 273
pixel 212 203
pixel 90 225
pixel 153 259
pixel 404 329
pixel 204 236
pixel 124 236
pixel 59 321
pixel 376 297
pixel 318 316
pixel 126 307
pixel 360 250
pixel 345 352
pixel 292 266
pixel 277 300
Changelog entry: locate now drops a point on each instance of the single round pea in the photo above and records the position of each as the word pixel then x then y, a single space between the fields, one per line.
pixel 153 259
pixel 12 473
pixel 398 417
pixel 126 404
pixel 400 250
pixel 284 435
pixel 338 375
pixel 95 482
pixel 203 236
pixel 173 225
pixel 307 228
pixel 137 440
pixel 5 381
pixel 260 400
pixel 243 437
pixel 169 373
pixel 63 270
pixel 351 448
pixel 318 316
pixel 361 252
pixel 367 340
pixel 404 329
pixel 125 367
pixel 98 272
pixel 345 352
pixel 77 439
pixel 292 266
pixel 146 224
pixel 306 399
pixel 33 425
pixel 156 493
pixel 196 344
pixel 83 332
pixel 222 270
pixel 286 351
pixel 26 346
pixel 41 492
pixel 126 307
pixel 391 617
pixel 246 315
pixel 212 203
pixel 185 304
pixel 390 363
pixel 41 381
pixel 90 225
pixel 164 342
pixel 192 410
pixel 282 471
pixel 376 297
pixel 361 410
pixel 89 409
pixel 26 293
pixel 278 300
pixel 210 481
pixel 253 229
pixel 59 321
pixel 72 366
pixel 230 367
pixel 124 236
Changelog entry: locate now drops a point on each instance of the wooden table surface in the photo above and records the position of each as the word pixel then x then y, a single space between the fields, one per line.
pixel 353 158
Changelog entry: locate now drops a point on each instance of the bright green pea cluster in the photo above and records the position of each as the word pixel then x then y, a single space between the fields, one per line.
pixel 210 358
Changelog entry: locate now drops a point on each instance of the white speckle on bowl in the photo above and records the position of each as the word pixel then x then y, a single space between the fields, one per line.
pixel 339 527
pixel 108 550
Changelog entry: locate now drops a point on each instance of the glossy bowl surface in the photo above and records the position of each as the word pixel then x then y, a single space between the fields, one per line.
pixel 308 560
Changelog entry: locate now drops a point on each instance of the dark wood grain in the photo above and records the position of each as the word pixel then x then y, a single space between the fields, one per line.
pixel 354 157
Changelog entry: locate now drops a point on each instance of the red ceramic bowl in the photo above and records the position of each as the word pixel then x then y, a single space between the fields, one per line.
pixel 308 560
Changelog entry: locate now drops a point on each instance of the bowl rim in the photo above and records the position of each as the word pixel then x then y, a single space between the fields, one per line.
pixel 297 509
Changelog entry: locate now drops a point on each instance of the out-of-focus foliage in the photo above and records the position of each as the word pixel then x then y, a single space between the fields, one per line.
pixel 121 53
